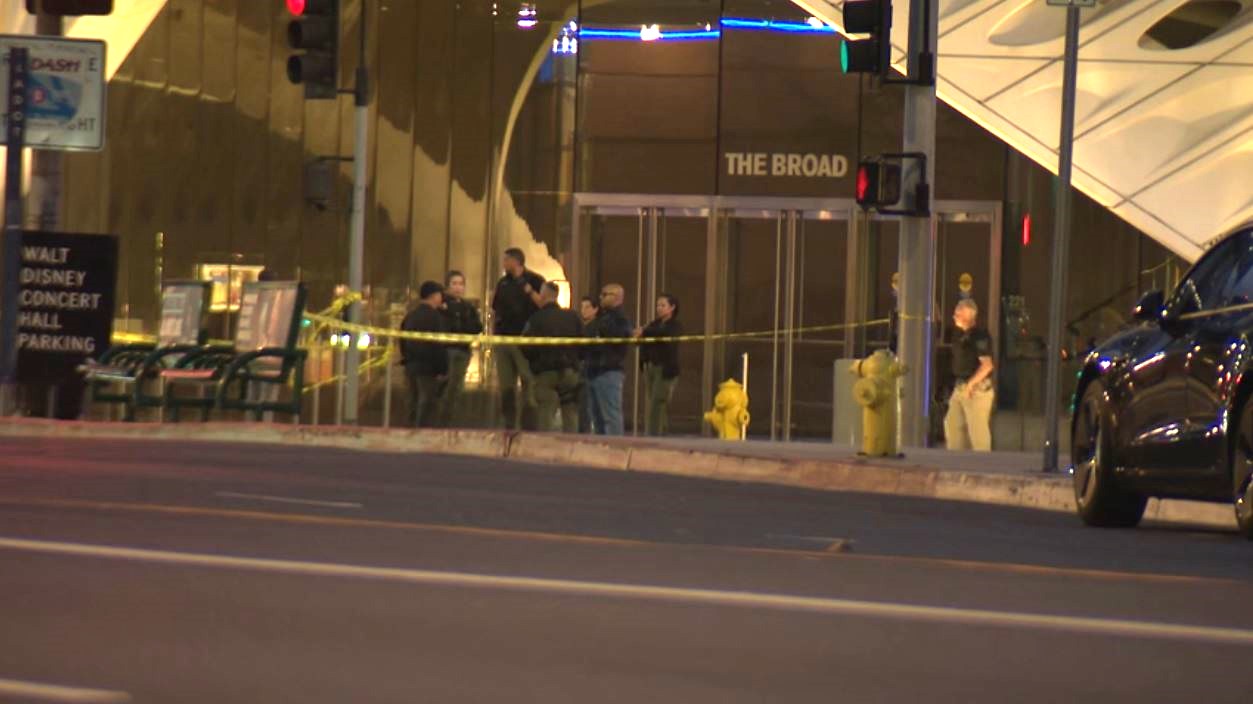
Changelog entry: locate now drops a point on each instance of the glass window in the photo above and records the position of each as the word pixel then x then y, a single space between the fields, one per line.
pixel 1208 282
pixel 1241 289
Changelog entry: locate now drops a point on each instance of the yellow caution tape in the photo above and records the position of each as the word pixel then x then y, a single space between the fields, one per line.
pixel 512 340
pixel 382 361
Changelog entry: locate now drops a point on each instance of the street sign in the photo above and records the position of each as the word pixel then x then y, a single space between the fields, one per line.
pixel 66 107
pixel 1071 3
pixel 66 305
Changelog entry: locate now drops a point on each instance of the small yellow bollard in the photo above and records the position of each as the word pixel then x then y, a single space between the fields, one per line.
pixel 730 414
pixel 875 390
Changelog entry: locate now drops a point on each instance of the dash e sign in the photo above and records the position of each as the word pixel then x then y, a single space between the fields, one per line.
pixel 786 165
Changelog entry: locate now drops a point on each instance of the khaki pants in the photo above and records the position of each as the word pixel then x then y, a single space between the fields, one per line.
pixel 458 363
pixel 512 368
pixel 658 391
pixel 968 425
pixel 557 391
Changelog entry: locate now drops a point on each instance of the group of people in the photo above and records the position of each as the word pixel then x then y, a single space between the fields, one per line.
pixel 544 387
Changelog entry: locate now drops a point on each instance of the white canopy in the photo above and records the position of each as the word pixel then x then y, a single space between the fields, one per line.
pixel 1163 136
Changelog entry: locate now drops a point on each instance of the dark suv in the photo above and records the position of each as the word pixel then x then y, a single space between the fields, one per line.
pixel 1163 408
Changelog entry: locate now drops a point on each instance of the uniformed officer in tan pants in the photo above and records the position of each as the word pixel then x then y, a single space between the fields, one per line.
pixel 968 425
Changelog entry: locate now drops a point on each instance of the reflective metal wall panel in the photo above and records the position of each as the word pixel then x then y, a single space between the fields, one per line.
pixel 431 153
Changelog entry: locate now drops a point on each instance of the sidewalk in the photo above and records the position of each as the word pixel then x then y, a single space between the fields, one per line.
pixel 1005 478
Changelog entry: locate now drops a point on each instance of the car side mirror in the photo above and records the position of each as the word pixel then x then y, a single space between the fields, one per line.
pixel 1150 306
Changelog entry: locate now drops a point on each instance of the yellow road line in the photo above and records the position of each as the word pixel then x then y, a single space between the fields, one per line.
pixel 335 521
pixel 40 692
pixel 841 549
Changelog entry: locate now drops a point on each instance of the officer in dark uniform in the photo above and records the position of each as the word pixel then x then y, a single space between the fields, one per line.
pixel 968 424
pixel 555 367
pixel 517 298
pixel 461 317
pixel 426 363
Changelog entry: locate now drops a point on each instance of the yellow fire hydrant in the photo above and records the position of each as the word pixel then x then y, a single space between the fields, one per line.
pixel 730 414
pixel 875 390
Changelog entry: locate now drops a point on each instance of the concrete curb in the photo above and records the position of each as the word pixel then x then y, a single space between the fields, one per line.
pixel 1032 491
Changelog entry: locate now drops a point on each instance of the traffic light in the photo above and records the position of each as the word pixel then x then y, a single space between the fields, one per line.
pixel 894 184
pixel 878 184
pixel 70 7
pixel 873 54
pixel 314 31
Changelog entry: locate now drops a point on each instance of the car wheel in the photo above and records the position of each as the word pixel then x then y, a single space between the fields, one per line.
pixel 1098 498
pixel 1241 462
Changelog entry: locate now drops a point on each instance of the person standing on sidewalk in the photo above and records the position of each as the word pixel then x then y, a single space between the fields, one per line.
pixel 605 363
pixel 589 308
pixel 661 363
pixel 517 298
pixel 968 424
pixel 461 317
pixel 555 366
pixel 426 363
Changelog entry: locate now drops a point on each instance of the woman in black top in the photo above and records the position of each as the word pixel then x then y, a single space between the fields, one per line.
pixel 661 363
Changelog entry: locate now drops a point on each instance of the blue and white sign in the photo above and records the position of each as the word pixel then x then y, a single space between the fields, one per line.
pixel 65 106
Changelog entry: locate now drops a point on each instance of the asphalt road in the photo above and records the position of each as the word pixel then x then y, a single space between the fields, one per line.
pixel 181 572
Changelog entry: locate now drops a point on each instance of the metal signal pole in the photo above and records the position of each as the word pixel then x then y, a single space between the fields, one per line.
pixel 356 241
pixel 1061 240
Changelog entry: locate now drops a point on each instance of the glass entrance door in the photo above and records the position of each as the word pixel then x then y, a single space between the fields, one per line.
pixel 765 271
pixel 967 265
pixel 651 249
pixel 781 272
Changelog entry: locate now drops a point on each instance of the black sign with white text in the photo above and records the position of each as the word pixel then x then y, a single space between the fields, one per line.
pixel 66 303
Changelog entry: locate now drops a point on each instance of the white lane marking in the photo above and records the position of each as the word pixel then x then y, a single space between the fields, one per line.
pixel 286 500
pixel 780 602
pixel 34 691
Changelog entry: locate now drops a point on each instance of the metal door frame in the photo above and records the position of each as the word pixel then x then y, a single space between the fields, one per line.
pixel 652 210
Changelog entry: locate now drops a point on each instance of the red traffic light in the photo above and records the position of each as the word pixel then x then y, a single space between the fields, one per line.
pixel 296 7
pixel 865 174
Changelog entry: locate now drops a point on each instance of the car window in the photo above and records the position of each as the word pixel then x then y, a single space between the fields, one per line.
pixel 1206 287
pixel 1240 290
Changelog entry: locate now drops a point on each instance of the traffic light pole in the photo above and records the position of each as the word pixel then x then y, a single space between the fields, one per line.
pixel 356 236
pixel 917 234
pixel 1061 241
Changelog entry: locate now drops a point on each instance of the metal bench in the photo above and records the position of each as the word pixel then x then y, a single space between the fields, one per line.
pixel 251 374
pixel 125 374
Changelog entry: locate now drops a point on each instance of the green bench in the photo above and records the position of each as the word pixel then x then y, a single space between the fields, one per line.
pixel 127 374
pixel 251 374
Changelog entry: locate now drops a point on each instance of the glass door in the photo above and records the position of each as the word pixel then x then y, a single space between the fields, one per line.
pixel 820 284
pixel 967 265
pixel 650 249
pixel 751 248
pixel 678 267
pixel 783 271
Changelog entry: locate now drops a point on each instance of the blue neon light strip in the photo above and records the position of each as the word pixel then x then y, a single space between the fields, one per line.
pixel 772 26
pixel 697 35
pixel 634 34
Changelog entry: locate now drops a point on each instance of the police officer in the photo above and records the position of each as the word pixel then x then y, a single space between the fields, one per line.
pixel 968 424
pixel 516 299
pixel 460 316
pixel 426 363
pixel 555 368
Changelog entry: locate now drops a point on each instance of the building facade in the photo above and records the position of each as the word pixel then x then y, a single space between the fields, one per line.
pixel 697 147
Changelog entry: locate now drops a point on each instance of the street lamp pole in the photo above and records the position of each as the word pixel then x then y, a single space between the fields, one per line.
pixel 1061 240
